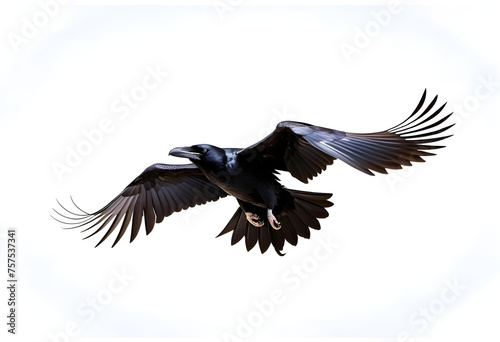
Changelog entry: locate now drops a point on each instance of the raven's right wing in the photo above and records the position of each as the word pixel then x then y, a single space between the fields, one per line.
pixel 156 193
pixel 305 150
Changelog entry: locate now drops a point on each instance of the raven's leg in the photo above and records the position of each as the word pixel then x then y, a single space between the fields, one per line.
pixel 270 198
pixel 273 220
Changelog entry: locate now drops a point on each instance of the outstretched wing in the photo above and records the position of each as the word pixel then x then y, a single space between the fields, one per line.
pixel 305 150
pixel 155 194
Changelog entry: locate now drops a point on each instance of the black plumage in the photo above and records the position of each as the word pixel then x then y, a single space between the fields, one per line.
pixel 268 213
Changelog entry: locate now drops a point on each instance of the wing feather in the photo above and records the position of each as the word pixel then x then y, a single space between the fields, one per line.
pixel 305 150
pixel 155 194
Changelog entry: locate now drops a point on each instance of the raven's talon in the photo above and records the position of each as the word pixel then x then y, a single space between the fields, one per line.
pixel 273 220
pixel 254 219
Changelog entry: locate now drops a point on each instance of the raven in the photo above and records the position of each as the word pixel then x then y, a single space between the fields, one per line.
pixel 268 212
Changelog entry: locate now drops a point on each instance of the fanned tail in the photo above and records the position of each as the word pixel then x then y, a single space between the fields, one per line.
pixel 296 219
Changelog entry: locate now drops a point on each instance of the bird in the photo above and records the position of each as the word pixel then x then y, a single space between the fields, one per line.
pixel 268 213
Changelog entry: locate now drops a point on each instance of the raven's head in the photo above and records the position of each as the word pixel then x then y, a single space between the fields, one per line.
pixel 199 153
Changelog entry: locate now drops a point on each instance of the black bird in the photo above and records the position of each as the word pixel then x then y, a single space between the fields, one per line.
pixel 268 212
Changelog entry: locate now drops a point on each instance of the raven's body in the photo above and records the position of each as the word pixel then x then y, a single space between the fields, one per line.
pixel 260 195
pixel 268 212
pixel 222 167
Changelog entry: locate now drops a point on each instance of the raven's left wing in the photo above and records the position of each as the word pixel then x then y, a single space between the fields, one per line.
pixel 156 193
pixel 305 150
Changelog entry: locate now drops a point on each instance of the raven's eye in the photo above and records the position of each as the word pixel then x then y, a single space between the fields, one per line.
pixel 201 150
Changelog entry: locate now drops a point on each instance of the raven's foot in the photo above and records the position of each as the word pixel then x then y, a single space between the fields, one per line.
pixel 273 220
pixel 254 219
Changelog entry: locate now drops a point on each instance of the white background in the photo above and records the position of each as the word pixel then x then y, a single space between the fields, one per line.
pixel 233 75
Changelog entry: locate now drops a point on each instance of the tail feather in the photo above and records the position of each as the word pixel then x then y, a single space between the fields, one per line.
pixel 264 239
pixel 240 228
pixel 251 236
pixel 232 223
pixel 306 217
pixel 277 239
pixel 289 232
pixel 295 221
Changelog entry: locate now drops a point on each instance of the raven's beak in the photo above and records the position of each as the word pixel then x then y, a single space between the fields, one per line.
pixel 185 152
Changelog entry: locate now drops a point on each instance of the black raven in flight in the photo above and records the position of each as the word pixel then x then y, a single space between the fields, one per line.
pixel 268 212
